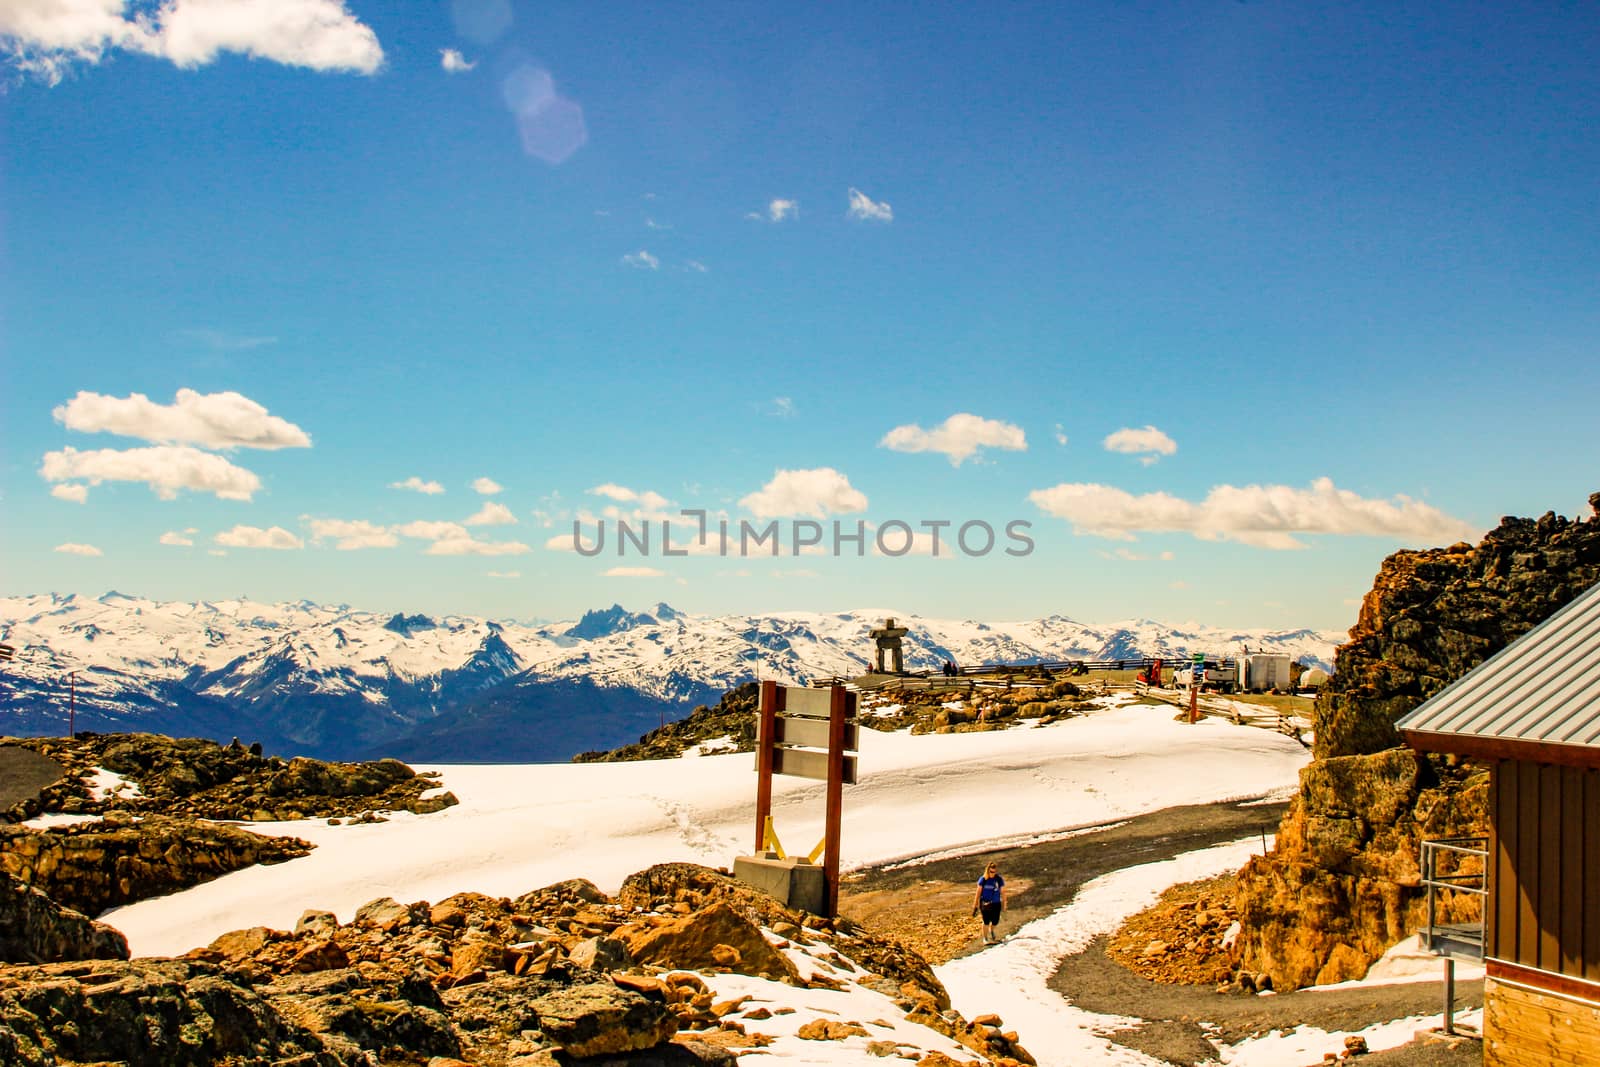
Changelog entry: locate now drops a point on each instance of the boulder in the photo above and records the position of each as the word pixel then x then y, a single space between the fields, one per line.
pixel 601 1019
pixel 35 929
pixel 385 913
pixel 601 954
pixel 701 940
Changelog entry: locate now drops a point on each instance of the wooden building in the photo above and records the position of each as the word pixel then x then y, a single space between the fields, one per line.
pixel 1531 713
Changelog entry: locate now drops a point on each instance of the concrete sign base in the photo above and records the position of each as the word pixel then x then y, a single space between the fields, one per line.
pixel 791 881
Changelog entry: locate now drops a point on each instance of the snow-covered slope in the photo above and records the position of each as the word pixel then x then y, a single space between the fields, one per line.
pixel 338 681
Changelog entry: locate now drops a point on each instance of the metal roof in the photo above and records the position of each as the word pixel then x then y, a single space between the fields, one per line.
pixel 1543 688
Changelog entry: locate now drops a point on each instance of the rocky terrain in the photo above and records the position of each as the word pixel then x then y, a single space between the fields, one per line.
pixel 555 977
pixel 930 706
pixel 197 778
pixel 133 816
pixel 1341 886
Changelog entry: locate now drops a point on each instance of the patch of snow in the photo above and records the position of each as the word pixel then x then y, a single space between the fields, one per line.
pixel 58 818
pixel 104 785
pixel 1408 961
pixel 1308 1044
pixel 712 746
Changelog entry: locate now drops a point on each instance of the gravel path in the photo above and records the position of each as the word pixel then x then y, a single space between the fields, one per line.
pixel 1045 876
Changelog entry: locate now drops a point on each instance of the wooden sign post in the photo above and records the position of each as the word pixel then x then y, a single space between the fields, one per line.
pixel 807 733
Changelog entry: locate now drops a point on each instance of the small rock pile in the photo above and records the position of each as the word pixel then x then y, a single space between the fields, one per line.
pixel 1184 938
pixel 197 778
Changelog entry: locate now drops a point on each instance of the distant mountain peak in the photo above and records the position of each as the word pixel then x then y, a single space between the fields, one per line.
pixel 407 625
pixel 603 622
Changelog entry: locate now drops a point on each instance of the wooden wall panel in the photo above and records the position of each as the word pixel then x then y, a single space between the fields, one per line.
pixel 1525 1028
pixel 1545 868
pixel 1591 867
pixel 1525 861
pixel 1569 926
pixel 1548 857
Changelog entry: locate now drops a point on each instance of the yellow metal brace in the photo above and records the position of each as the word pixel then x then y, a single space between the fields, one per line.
pixel 769 840
pixel 819 850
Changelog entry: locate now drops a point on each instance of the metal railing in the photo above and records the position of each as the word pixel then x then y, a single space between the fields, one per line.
pixel 1451 940
pixel 1464 939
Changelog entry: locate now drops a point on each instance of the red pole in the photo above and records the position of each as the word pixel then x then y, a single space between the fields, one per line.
pixel 1194 698
pixel 765 728
pixel 838 709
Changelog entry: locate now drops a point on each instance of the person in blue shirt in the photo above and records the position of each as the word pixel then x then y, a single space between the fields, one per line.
pixel 990 899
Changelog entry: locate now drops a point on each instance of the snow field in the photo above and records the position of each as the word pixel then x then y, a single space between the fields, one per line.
pixel 521 827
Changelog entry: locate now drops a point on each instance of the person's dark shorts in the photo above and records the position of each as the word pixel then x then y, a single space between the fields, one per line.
pixel 991 912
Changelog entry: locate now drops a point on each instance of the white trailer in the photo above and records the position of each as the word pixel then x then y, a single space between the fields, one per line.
pixel 1261 671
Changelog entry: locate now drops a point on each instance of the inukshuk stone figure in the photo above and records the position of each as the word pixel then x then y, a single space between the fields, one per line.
pixel 888 637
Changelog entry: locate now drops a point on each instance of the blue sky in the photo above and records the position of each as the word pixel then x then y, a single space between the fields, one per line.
pixel 1298 285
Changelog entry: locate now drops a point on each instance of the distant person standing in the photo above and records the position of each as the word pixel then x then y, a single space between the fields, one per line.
pixel 990 899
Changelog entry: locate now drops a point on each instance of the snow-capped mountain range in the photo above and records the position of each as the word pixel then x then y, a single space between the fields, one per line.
pixel 335 681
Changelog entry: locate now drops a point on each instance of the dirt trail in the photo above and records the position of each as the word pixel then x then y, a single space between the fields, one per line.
pixel 929 907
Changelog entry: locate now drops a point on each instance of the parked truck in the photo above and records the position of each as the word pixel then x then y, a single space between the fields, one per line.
pixel 1223 678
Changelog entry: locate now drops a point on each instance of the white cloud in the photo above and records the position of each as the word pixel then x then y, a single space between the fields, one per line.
pixel 165 469
pixel 1061 434
pixel 634 572
pixel 777 210
pixel 467 546
pixel 561 542
pixel 864 207
pixel 492 514
pixel 417 485
pixel 454 62
pixel 210 420
pixel 816 493
pixel 649 503
pixel 642 260
pixel 782 407
pixel 505 574
pixel 72 548
pixel 1263 516
pixel 215 552
pixel 72 491
pixel 275 537
pixel 174 537
pixel 486 486
pixel 696 266
pixel 45 37
pixel 351 534
pixel 425 530
pixel 1150 444
pixel 959 437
